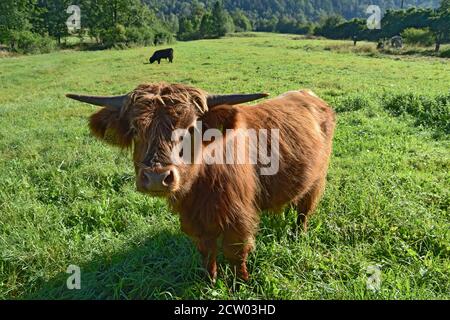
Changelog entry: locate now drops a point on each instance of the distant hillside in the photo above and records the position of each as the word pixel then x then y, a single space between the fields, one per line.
pixel 300 10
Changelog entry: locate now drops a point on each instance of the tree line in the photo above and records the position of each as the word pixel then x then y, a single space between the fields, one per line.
pixel 284 15
pixel 40 25
pixel 200 21
pixel 432 24
pixel 212 23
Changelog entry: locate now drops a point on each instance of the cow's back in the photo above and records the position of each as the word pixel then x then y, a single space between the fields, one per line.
pixel 306 124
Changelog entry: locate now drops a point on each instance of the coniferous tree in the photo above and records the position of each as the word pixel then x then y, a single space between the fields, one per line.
pixel 219 19
pixel 241 22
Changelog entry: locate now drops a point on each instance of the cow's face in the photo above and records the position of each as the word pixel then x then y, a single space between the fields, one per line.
pixel 156 127
pixel 152 121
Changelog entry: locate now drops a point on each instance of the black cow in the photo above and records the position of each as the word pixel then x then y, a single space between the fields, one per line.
pixel 162 54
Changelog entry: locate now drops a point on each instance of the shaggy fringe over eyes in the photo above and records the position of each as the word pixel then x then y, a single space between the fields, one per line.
pixel 179 99
pixel 116 126
pixel 169 94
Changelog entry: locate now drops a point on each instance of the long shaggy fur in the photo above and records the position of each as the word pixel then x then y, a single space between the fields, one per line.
pixel 225 200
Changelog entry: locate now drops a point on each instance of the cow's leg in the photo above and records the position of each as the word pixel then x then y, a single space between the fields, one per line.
pixel 159 61
pixel 306 205
pixel 206 243
pixel 208 250
pixel 236 248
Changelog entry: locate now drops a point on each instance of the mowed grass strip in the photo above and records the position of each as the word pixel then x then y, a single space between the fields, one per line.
pixel 66 198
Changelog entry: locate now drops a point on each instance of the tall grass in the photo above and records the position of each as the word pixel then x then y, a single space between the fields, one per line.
pixel 428 111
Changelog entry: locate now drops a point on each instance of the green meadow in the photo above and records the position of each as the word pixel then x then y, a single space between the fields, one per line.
pixel 68 199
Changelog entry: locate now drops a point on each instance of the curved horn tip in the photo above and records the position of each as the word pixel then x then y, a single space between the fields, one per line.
pixel 113 101
pixel 74 96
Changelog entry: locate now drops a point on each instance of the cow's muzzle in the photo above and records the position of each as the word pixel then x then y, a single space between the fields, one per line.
pixel 159 182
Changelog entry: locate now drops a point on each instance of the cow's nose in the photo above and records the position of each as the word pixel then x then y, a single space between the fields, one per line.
pixel 151 181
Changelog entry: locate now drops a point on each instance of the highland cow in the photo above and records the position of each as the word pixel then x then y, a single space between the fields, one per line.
pixel 220 200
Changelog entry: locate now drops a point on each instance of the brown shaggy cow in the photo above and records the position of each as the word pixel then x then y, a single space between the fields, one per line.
pixel 220 200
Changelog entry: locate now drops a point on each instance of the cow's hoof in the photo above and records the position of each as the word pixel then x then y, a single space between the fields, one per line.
pixel 212 278
pixel 244 277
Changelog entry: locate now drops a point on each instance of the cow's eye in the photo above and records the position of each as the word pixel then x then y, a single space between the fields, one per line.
pixel 179 139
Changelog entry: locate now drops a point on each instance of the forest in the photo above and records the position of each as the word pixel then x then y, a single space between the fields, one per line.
pixel 301 10
pixel 425 25
pixel 33 26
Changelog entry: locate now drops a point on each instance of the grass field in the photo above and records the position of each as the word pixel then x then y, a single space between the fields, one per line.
pixel 66 198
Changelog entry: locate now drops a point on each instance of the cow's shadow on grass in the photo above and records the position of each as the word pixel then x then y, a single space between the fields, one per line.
pixel 165 265
pixel 161 267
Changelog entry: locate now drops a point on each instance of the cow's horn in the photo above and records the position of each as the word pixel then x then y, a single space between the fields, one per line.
pixel 232 99
pixel 113 102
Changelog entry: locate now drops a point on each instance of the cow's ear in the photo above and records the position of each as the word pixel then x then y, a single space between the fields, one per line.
pixel 221 117
pixel 110 126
